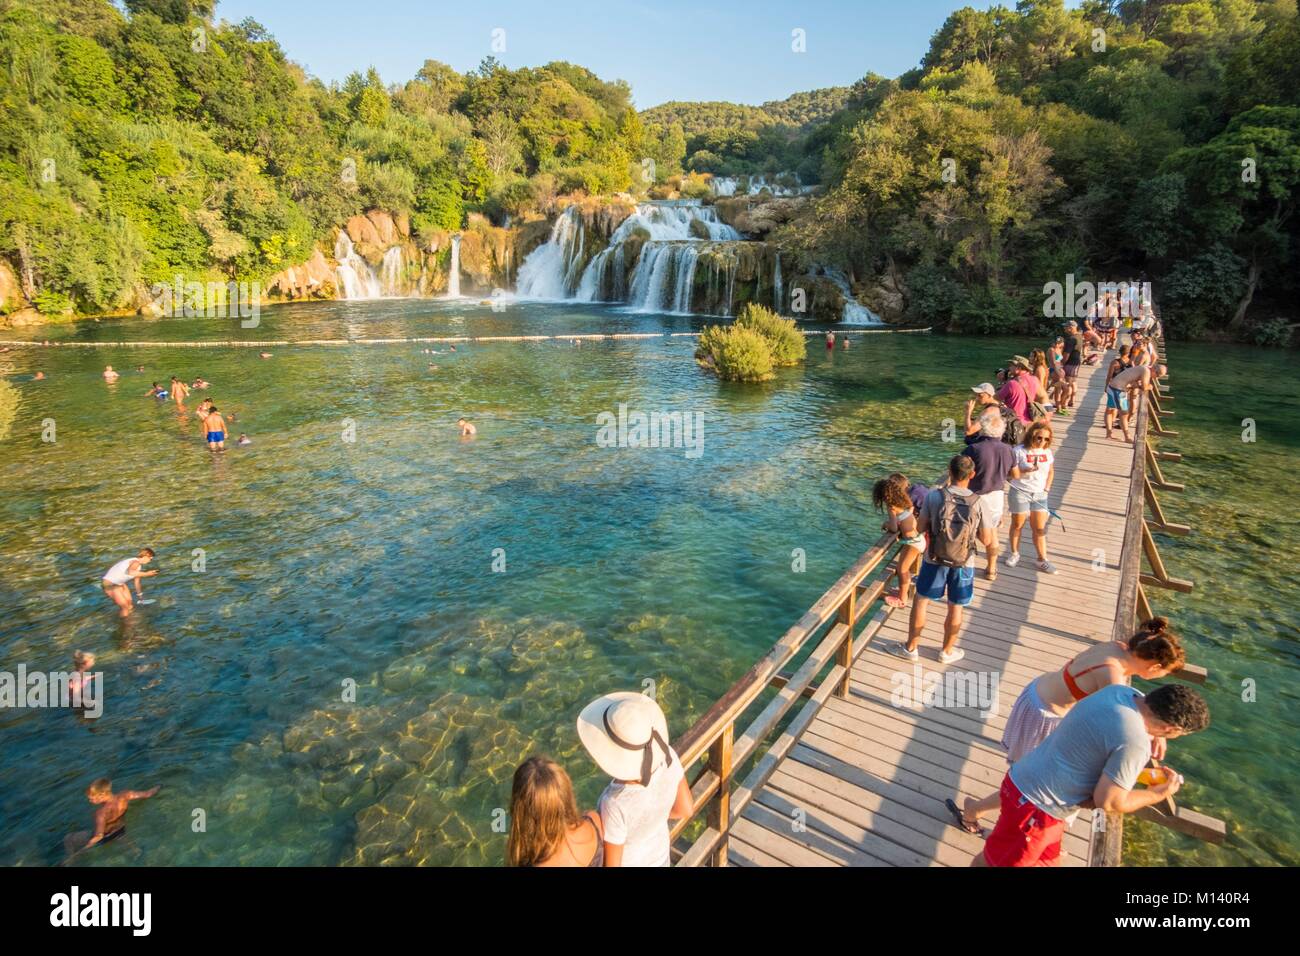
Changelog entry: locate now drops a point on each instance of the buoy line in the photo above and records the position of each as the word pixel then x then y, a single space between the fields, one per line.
pixel 265 343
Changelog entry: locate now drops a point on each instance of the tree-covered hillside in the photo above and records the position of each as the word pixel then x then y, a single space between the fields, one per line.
pixel 138 147
pixel 1153 136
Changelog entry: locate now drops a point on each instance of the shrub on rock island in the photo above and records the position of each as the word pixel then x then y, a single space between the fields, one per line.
pixel 735 353
pixel 787 344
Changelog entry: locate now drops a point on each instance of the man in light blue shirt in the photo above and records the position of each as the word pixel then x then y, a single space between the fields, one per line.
pixel 1092 759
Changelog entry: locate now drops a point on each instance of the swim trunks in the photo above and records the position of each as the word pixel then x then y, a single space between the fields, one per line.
pixel 216 437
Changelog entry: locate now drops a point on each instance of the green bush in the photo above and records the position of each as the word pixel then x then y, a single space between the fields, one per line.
pixel 736 353
pixel 1276 333
pixel 787 345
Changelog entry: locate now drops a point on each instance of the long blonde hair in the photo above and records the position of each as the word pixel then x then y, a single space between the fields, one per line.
pixel 542 811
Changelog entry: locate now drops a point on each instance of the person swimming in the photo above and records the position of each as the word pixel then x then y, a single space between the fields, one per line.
pixel 245 440
pixel 111 813
pixel 466 429
pixel 157 391
pixel 79 681
pixel 109 374
pixel 215 427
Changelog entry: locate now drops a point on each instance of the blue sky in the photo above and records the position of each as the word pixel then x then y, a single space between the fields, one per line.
pixel 666 49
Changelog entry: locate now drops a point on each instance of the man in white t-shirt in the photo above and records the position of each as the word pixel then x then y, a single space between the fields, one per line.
pixel 627 735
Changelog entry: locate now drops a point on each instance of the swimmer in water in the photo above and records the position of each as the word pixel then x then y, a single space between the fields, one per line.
pixel 139 368
pixel 79 680
pixel 215 427
pixel 156 391
pixel 126 572
pixel 466 429
pixel 264 354
pixel 109 374
pixel 111 810
pixel 830 340
pixel 38 377
pixel 179 391
pixel 844 343
pixel 199 383
pixel 245 440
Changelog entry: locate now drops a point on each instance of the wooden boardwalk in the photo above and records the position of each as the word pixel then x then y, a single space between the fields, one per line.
pixel 865 782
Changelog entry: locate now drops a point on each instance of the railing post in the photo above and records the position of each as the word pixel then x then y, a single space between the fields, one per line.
pixel 719 814
pixel 844 656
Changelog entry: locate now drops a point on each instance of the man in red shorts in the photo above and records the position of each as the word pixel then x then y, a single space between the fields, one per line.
pixel 1092 759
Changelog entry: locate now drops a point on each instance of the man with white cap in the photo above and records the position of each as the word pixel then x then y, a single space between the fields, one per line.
pixel 985 395
pixel 626 733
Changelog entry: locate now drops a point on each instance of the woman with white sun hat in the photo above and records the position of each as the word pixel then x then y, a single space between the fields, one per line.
pixel 626 733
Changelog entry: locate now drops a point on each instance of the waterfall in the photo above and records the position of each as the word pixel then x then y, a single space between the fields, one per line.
pixel 674 232
pixel 727 186
pixel 855 313
pixel 778 294
pixel 390 272
pixel 453 271
pixel 551 270
pixel 674 220
pixel 355 277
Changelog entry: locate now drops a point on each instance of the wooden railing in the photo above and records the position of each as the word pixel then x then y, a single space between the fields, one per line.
pixel 1134 607
pixel 713 738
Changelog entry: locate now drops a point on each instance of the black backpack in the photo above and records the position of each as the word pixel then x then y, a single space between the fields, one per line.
pixel 1014 433
pixel 952 538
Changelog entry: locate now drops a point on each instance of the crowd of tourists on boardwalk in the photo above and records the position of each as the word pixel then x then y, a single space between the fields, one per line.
pixel 1078 738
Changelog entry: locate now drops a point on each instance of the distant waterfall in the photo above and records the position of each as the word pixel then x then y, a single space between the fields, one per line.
pixel 778 294
pixel 672 237
pixel 855 313
pixel 391 280
pixel 453 270
pixel 355 277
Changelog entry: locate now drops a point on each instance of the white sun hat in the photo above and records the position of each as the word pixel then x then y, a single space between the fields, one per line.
pixel 626 733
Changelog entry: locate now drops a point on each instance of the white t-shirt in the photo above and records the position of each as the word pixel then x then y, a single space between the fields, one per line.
pixel 1034 483
pixel 637 816
pixel 120 573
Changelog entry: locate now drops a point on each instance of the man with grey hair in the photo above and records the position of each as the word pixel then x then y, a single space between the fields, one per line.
pixel 994 462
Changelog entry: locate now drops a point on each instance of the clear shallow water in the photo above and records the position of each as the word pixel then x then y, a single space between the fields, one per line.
pixel 372 561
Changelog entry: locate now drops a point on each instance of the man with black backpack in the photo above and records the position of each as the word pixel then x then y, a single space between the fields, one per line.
pixel 952 519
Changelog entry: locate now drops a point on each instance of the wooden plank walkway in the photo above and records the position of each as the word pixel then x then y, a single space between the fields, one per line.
pixel 866 783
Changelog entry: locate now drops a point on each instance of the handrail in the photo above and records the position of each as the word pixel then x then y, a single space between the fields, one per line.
pixel 714 735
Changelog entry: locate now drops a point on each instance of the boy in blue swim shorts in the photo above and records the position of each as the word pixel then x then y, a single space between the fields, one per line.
pixel 952 520
pixel 215 426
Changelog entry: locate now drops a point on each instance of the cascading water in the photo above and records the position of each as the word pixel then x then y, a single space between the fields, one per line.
pixel 356 278
pixel 453 270
pixel 778 293
pixel 855 313
pixel 390 272
pixel 551 271
pixel 671 237
pixel 754 185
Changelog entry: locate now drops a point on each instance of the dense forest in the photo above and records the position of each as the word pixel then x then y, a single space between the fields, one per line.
pixel 1124 137
pixel 1159 137
pixel 135 148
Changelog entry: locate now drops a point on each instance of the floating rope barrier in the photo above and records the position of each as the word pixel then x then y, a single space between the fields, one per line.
pixel 452 339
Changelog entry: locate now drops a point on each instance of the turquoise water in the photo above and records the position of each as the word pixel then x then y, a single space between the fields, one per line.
pixel 372 561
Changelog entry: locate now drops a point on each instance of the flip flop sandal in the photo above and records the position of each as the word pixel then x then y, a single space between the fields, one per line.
pixel 961 820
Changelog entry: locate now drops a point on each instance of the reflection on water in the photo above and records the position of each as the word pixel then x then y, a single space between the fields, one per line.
pixel 370 563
